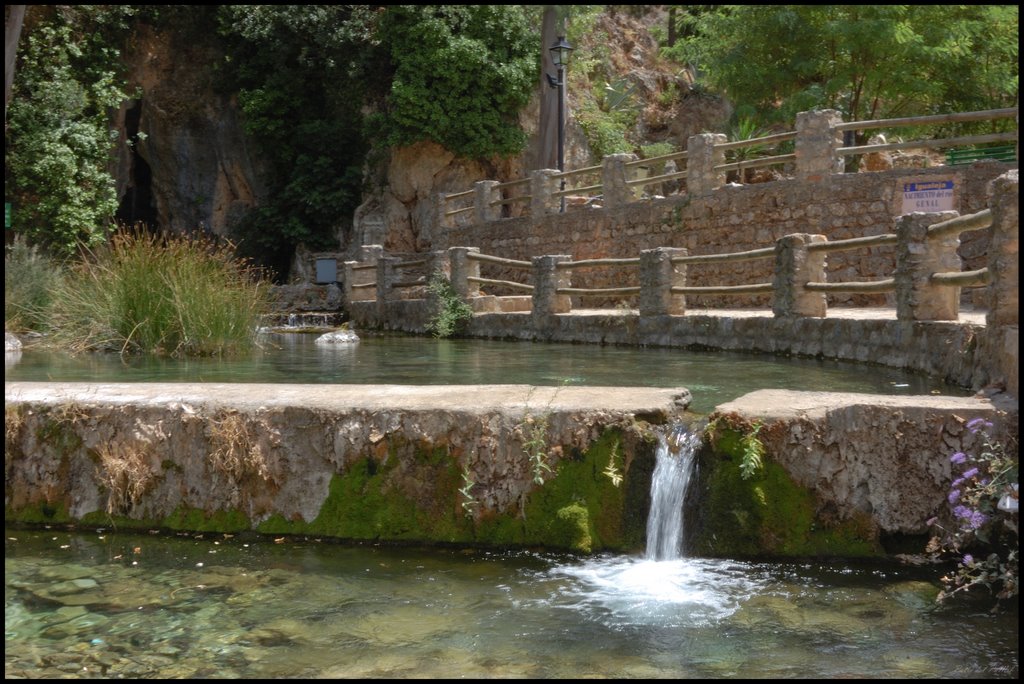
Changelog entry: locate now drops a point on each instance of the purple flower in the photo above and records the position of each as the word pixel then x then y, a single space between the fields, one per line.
pixel 958 458
pixel 958 481
pixel 976 424
pixel 962 512
pixel 968 559
pixel 977 519
pixel 954 496
pixel 968 474
pixel 931 521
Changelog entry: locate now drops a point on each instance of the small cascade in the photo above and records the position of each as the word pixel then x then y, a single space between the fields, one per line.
pixel 677 450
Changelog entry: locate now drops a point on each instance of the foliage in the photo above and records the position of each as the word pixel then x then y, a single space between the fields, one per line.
pixel 58 142
pixel 605 131
pixel 175 296
pixel 984 509
pixel 751 460
pixel 30 278
pixel 750 447
pixel 300 73
pixel 613 471
pixel 450 311
pixel 467 485
pixel 461 75
pixel 868 61
pixel 535 445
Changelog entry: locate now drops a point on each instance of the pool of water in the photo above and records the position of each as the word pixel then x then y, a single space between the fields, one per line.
pixel 101 604
pixel 712 377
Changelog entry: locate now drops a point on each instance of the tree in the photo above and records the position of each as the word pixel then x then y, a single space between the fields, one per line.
pixel 461 75
pixel 14 17
pixel 301 75
pixel 58 140
pixel 868 61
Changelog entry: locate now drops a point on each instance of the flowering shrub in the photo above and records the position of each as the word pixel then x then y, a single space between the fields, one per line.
pixel 984 516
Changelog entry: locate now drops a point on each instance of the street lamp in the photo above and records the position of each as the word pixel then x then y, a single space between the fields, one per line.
pixel 560 52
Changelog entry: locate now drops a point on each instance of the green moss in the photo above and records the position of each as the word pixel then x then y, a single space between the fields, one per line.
pixel 198 520
pixel 769 514
pixel 60 435
pixel 372 500
pixel 571 529
pixel 579 509
pixel 43 512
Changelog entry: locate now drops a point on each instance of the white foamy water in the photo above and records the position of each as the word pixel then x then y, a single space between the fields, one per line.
pixel 675 462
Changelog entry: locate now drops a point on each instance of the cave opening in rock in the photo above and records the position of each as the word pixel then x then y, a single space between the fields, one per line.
pixel 136 207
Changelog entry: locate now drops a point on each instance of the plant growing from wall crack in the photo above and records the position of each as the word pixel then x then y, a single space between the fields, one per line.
pixel 467 485
pixel 614 469
pixel 450 311
pixel 984 500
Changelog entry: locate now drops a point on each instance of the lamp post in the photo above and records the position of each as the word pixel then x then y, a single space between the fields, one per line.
pixel 560 52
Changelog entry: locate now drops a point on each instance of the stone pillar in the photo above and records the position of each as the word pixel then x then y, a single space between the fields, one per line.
pixel 369 254
pixel 795 266
pixel 657 276
pixel 464 268
pixel 816 143
pixel 613 180
pixel 484 194
pixel 917 258
pixel 701 159
pixel 1004 251
pixel 542 186
pixel 547 278
pixel 385 277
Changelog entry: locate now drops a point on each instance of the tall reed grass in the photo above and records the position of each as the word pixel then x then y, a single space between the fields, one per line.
pixel 30 277
pixel 174 296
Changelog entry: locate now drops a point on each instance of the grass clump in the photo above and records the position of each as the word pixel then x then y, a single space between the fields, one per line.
pixel 30 278
pixel 172 296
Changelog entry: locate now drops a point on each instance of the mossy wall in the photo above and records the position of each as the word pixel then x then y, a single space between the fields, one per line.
pixel 767 514
pixel 401 490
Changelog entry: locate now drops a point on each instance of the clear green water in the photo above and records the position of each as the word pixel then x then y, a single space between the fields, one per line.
pixel 102 604
pixel 137 606
pixel 712 377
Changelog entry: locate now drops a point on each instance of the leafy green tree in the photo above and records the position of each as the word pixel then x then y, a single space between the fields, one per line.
pixel 868 61
pixel 58 141
pixel 300 73
pixel 461 74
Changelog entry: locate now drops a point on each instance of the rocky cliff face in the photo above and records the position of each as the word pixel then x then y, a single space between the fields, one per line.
pixel 186 165
pixel 184 162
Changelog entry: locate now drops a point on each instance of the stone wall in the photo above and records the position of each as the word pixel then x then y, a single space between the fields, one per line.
pixel 730 219
pixel 382 462
pixel 876 467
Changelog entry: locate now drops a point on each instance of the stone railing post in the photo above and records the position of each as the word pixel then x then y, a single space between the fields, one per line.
pixel 701 159
pixel 613 180
pixel 542 188
pixel 1004 251
pixel 385 278
pixel 369 254
pixel 547 278
pixel 795 266
pixel 917 258
pixel 484 194
pixel 464 268
pixel 658 275
pixel 816 143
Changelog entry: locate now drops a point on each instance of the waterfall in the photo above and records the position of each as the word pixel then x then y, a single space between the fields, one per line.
pixel 675 462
